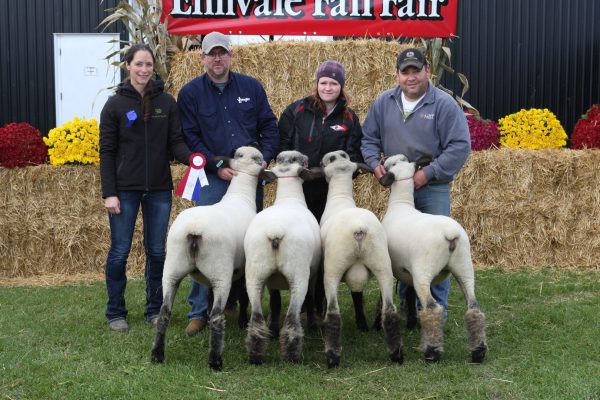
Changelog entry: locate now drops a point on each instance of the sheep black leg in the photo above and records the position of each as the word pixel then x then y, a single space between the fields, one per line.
pixel 411 308
pixel 333 339
pixel 393 338
pixel 475 321
pixel 359 312
pixel 158 346
pixel 319 297
pixel 243 300
pixel 217 331
pixel 377 320
pixel 257 340
pixel 275 307
pixel 432 334
pixel 164 316
pixel 292 338
pixel 311 319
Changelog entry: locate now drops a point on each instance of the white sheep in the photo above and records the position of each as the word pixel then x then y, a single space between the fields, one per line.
pixel 425 249
pixel 283 249
pixel 206 242
pixel 355 245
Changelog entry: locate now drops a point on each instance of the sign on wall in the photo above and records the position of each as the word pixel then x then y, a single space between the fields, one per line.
pixel 363 18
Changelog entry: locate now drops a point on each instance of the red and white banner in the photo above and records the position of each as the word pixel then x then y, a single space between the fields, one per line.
pixel 361 18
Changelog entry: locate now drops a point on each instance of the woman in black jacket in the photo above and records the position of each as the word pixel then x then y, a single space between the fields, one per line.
pixel 317 125
pixel 139 129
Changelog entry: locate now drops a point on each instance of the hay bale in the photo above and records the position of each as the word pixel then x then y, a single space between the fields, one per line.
pixel 287 69
pixel 531 208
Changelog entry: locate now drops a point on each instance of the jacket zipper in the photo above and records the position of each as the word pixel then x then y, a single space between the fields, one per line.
pixel 147 160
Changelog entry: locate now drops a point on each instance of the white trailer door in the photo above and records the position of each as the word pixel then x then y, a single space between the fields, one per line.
pixel 82 74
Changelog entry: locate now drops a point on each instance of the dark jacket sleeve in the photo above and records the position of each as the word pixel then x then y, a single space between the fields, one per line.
pixel 191 128
pixel 286 128
pixel 354 139
pixel 268 134
pixel 109 146
pixel 177 144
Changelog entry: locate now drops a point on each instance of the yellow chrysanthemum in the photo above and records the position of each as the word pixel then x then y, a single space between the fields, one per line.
pixel 532 129
pixel 75 142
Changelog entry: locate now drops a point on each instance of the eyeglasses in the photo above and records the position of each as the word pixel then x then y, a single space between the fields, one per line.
pixel 214 54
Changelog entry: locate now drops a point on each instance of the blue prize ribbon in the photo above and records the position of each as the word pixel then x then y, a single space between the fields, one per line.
pixel 131 117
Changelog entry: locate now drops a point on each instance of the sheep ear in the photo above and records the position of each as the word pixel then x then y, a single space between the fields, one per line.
pixel 267 175
pixel 387 179
pixel 311 174
pixel 222 162
pixel 422 162
pixel 362 168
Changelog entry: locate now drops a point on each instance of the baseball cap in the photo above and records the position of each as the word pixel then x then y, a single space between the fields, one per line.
pixel 215 39
pixel 411 57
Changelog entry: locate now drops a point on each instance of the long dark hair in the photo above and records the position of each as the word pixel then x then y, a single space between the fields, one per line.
pixel 147 95
pixel 319 104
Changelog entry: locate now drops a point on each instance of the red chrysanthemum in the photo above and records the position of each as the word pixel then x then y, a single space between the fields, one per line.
pixel 484 133
pixel 21 145
pixel 586 134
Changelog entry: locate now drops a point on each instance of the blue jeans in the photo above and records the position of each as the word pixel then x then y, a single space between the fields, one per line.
pixel 212 194
pixel 156 209
pixel 432 199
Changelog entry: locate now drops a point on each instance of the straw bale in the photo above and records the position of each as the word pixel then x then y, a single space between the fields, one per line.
pixel 519 207
pixel 287 69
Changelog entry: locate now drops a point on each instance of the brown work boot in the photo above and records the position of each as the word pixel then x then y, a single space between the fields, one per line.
pixel 195 326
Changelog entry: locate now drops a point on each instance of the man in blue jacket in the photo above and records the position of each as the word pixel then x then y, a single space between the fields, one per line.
pixel 220 111
pixel 423 123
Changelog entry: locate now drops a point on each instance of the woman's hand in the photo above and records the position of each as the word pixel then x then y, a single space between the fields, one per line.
pixel 112 205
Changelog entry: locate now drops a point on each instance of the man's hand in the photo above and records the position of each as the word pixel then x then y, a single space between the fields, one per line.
pixel 379 171
pixel 420 179
pixel 226 173
pixel 112 205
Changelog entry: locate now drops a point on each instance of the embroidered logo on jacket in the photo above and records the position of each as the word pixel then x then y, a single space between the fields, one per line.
pixel 339 128
pixel 244 100
pixel 427 116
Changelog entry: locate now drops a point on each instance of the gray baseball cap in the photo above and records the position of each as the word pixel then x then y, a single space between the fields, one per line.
pixel 215 39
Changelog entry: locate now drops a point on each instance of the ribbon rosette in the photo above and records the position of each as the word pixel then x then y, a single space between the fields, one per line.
pixel 193 179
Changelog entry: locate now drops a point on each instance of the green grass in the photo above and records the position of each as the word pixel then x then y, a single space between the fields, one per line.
pixel 543 337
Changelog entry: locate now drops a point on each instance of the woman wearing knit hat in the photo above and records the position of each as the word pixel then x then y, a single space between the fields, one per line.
pixel 318 124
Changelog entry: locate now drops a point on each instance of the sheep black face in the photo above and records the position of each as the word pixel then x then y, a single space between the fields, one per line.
pixel 398 168
pixel 290 163
pixel 245 157
pixel 337 162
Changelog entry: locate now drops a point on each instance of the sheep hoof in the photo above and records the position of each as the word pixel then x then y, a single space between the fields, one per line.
pixel 432 354
pixel 362 325
pixel 377 323
pixel 216 363
pixel 243 320
pixel 257 360
pixel 158 356
pixel 411 323
pixel 333 360
pixel 397 356
pixel 478 354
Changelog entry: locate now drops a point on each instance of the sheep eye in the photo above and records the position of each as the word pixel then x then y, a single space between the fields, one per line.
pixel 331 159
pixel 344 155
